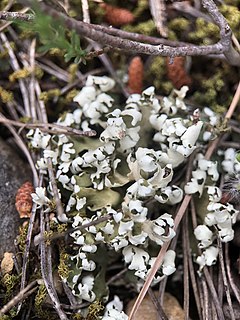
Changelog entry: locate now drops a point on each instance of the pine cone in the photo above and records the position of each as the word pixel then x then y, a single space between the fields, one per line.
pixel 135 75
pixel 117 16
pixel 177 74
pixel 24 200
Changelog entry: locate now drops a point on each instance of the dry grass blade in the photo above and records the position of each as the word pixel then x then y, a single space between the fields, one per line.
pixel 158 11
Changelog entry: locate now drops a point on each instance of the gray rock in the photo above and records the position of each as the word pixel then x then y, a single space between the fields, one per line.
pixel 13 173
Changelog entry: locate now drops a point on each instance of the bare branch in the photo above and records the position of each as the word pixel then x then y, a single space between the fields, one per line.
pixel 13 16
pixel 91 31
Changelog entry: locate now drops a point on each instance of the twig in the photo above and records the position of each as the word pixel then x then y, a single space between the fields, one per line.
pixel 85 10
pixel 159 308
pixel 15 66
pixel 59 207
pixel 60 235
pixel 230 279
pixel 22 295
pixel 234 103
pixel 158 12
pixel 46 271
pixel 23 147
pixel 55 128
pixel 32 80
pixel 213 294
pixel 13 16
pixel 88 30
pixel 185 237
pixel 225 282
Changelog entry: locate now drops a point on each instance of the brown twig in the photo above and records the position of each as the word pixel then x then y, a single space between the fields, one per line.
pixel 46 271
pixel 224 276
pixel 213 294
pixel 235 289
pixel 22 295
pixel 89 31
pixel 45 127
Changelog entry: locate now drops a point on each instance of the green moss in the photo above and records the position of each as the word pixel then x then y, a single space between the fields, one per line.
pixel 63 268
pixel 5 96
pixel 232 14
pixel 71 94
pixel 156 75
pixel 21 240
pixel 19 74
pixel 94 310
pixel 9 282
pixel 179 25
pixel 142 5
pixel 47 95
pixel 39 299
pixel 204 32
pixel 147 28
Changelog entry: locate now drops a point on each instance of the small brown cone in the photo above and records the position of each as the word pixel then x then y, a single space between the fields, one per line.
pixel 24 200
pixel 177 74
pixel 117 16
pixel 135 75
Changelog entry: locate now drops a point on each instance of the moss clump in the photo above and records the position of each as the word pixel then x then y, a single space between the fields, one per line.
pixel 9 282
pixel 205 32
pixel 142 5
pixel 71 94
pixel 5 96
pixel 232 14
pixel 39 300
pixel 177 27
pixel 157 75
pixel 47 95
pixel 63 268
pixel 148 28
pixel 211 93
pixel 72 69
pixel 94 310
pixel 19 74
pixel 21 240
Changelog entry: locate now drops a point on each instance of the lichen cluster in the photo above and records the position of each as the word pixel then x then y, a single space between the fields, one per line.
pixel 129 165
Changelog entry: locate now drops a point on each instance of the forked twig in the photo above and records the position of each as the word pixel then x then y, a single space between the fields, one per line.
pixel 22 295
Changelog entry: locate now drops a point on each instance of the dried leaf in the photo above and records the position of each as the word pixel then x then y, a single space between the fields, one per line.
pixel 158 11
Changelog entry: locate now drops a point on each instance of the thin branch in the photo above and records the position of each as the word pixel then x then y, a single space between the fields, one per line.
pixel 234 103
pixel 89 31
pixel 22 295
pixel 45 272
pixel 59 207
pixel 55 128
pixel 23 147
pixel 213 294
pixel 16 16
pixel 15 65
pixel 224 276
pixel 235 289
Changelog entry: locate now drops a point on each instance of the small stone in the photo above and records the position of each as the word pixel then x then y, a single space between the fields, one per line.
pixel 13 172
